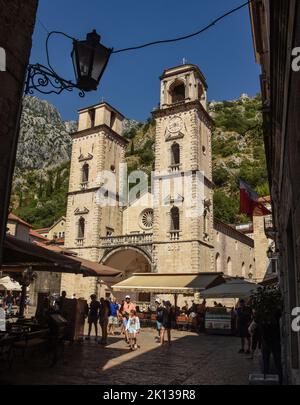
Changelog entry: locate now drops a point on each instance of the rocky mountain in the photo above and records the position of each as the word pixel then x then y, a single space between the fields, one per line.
pixel 42 168
pixel 44 138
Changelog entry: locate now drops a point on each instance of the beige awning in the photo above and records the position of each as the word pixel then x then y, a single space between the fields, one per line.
pixel 170 283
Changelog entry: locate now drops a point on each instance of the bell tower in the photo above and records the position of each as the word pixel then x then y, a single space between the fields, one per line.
pixel 183 189
pixel 98 150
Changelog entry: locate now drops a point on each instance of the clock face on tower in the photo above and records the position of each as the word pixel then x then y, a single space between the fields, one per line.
pixel 175 125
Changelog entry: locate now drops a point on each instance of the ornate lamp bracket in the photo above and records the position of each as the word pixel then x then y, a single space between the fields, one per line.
pixel 44 80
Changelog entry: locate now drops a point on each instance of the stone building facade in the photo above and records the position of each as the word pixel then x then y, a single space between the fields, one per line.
pixel 234 252
pixel 276 35
pixel 168 230
pixel 17 19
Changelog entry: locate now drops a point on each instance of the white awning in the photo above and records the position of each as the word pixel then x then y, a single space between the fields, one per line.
pixel 7 284
pixel 232 288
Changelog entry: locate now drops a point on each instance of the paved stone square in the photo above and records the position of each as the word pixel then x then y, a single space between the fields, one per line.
pixel 191 359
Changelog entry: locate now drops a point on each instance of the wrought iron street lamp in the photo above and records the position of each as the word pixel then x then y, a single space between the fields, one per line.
pixel 90 59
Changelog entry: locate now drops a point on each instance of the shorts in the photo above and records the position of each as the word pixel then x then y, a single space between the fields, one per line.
pixel 113 320
pixel 124 320
pixel 158 325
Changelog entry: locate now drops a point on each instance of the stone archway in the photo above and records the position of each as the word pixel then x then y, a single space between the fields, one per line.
pixel 129 260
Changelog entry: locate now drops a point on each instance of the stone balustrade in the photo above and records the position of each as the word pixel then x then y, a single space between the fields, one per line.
pixel 132 239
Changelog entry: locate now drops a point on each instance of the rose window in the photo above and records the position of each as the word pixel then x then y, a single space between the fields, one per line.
pixel 147 219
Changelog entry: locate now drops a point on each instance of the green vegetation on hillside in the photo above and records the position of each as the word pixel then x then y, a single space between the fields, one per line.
pixel 41 196
pixel 238 152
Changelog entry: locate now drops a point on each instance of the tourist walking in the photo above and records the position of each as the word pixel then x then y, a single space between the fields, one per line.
pixel 166 324
pixel 200 311
pixel 93 315
pixel 133 329
pixel 60 301
pixel 113 321
pixel 128 306
pixel 122 332
pixel 159 317
pixel 243 322
pixel 26 305
pixel 9 301
pixel 104 314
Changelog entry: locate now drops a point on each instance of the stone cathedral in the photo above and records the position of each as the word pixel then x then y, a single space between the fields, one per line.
pixel 144 235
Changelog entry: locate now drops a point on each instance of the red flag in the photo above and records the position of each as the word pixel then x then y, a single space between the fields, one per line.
pixel 248 199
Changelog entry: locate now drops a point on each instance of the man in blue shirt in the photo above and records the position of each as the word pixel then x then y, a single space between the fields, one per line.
pixel 114 316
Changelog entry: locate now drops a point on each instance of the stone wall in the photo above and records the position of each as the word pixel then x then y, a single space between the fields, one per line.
pixel 261 245
pixel 17 19
pixel 132 215
pixel 234 251
pixel 276 29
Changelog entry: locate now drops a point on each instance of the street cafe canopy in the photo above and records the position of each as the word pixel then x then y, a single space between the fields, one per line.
pixel 19 255
pixel 169 283
pixel 6 284
pixel 232 288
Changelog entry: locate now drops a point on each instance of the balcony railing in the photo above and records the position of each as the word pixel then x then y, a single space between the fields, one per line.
pixel 132 239
pixel 175 168
pixel 80 241
pixel 84 185
pixel 269 227
pixel 174 235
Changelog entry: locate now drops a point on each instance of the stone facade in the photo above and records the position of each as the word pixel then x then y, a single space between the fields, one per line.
pixel 276 32
pixel 262 244
pixel 170 229
pixel 182 122
pixel 234 252
pixel 17 19
pixel 98 150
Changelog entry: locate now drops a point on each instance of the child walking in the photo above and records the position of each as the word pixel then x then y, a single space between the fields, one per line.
pixel 133 329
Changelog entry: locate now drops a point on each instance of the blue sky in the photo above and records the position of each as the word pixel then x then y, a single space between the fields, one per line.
pixel 131 81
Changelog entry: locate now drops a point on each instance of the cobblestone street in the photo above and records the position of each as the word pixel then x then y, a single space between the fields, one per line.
pixel 191 359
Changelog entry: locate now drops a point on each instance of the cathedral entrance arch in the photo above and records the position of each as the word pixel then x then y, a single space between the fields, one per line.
pixel 129 260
